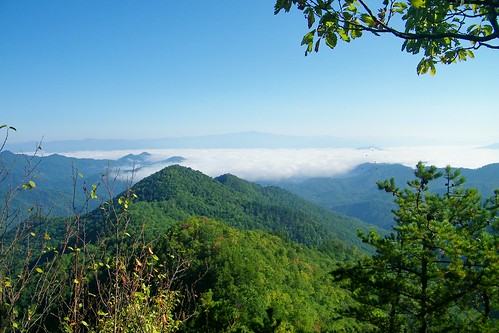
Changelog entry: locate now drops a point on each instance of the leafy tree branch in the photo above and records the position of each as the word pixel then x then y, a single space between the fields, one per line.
pixel 433 27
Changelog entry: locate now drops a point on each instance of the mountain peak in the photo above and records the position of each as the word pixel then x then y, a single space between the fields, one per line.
pixel 135 158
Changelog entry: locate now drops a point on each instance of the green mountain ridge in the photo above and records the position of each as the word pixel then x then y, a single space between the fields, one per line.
pixel 60 179
pixel 177 193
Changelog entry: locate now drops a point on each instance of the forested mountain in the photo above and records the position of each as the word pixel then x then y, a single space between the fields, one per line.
pixel 356 193
pixel 55 177
pixel 176 193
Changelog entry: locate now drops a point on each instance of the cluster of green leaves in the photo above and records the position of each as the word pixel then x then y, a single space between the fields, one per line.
pixel 434 27
pixel 439 270
pixel 146 308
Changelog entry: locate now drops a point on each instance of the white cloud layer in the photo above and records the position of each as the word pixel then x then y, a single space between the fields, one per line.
pixel 266 164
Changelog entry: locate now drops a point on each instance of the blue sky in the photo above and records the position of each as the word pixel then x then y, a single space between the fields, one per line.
pixel 152 69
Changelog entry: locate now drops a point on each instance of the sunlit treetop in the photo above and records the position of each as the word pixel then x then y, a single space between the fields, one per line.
pixel 443 31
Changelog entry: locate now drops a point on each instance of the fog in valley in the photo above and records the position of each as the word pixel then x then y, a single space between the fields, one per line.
pixel 272 164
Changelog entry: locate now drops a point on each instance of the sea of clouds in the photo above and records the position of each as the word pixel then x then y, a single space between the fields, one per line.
pixel 272 164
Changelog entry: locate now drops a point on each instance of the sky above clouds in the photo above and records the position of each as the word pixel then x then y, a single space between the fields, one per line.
pixel 152 69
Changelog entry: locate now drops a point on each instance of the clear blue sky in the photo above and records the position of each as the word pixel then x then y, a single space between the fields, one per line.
pixel 152 69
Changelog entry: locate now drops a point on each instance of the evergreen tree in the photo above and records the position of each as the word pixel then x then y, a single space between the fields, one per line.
pixel 438 270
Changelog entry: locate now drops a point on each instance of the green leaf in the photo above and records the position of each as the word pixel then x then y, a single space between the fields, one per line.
pixel 422 67
pixel 93 193
pixel 399 7
pixel 308 40
pixel 317 45
pixel 433 70
pixel 487 29
pixel 29 185
pixel 350 6
pixel 461 54
pixel 331 39
pixel 310 19
pixel 355 33
pixel 418 3
pixel 367 19
pixel 343 35
pixel 39 270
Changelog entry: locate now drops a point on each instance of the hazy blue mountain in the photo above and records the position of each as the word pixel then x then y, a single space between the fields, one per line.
pixel 59 178
pixel 233 140
pixel 356 193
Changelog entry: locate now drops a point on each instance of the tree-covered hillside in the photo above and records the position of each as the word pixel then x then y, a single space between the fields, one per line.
pixel 58 180
pixel 176 193
pixel 250 281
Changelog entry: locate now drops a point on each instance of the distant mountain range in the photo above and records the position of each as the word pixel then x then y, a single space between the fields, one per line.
pixel 356 193
pixel 59 178
pixel 234 140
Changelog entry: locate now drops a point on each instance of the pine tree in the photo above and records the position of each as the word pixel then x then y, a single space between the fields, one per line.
pixel 438 270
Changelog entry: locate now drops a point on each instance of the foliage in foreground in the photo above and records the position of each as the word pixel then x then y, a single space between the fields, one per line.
pixel 55 277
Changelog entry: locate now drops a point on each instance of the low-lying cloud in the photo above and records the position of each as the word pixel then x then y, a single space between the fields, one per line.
pixel 271 164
